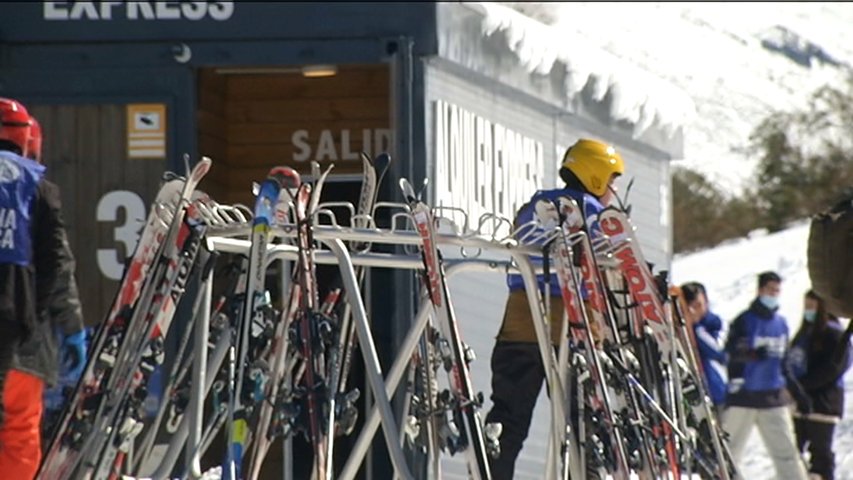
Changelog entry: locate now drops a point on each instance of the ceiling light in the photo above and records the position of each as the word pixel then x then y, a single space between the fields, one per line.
pixel 255 70
pixel 317 71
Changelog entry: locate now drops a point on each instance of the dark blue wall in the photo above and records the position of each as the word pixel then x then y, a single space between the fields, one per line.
pixel 28 22
pixel 85 61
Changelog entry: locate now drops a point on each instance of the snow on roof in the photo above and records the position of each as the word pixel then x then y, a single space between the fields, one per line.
pixel 738 62
pixel 638 95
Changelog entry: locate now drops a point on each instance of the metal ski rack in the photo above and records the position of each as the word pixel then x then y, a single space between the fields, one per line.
pixel 229 233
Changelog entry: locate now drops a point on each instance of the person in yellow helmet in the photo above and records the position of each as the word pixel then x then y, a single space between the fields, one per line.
pixel 589 169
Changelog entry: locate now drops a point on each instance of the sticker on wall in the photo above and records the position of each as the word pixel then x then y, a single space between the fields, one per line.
pixel 146 130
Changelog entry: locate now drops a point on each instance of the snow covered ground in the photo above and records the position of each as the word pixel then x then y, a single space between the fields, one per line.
pixel 729 272
pixel 737 62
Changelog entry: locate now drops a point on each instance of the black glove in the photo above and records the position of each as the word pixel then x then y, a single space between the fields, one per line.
pixel 662 283
pixel 805 405
pixel 760 353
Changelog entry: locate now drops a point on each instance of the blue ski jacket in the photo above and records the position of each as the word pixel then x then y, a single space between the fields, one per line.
pixel 713 356
pixel 591 208
pixel 756 347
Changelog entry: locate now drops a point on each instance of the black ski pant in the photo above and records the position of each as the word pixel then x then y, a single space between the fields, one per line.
pixel 517 378
pixel 818 436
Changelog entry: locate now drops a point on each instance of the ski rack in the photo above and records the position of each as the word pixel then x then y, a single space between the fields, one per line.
pixel 228 232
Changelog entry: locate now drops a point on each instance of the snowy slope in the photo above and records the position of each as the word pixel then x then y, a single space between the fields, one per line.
pixel 737 62
pixel 729 273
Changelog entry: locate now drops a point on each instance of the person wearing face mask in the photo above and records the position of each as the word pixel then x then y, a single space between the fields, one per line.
pixel 817 360
pixel 757 394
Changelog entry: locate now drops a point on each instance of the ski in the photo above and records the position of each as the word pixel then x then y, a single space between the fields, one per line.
pixel 373 173
pixel 75 428
pixel 240 404
pixel 278 388
pixel 580 331
pixel 463 400
pixel 128 422
pixel 668 343
pixel 624 403
pixel 176 390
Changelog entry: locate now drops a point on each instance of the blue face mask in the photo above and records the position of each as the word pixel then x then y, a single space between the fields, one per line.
pixel 809 315
pixel 769 302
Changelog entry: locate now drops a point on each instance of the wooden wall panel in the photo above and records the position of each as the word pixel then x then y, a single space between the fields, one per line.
pixel 212 130
pixel 357 81
pixel 306 109
pixel 250 121
pixel 85 150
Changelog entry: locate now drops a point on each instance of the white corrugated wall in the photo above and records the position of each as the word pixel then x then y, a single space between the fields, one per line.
pixel 479 298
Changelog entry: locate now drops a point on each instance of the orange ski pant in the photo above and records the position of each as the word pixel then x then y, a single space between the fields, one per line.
pixel 20 434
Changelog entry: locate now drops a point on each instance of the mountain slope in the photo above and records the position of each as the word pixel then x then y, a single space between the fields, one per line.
pixel 738 62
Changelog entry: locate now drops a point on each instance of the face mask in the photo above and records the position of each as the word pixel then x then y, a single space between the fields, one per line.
pixel 768 301
pixel 809 315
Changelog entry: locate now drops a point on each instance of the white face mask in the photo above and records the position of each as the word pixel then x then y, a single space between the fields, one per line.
pixel 809 315
pixel 769 301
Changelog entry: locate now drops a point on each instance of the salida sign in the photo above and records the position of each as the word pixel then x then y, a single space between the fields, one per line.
pixel 324 147
pixel 105 10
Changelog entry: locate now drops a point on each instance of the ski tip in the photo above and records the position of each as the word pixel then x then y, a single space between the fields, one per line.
pixel 408 190
pixel 382 161
pixel 200 169
pixel 366 158
pixel 286 177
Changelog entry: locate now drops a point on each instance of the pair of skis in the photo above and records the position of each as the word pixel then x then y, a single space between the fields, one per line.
pixel 566 214
pixel 117 348
pixel 305 369
pixel 655 316
pixel 242 400
pixel 463 401
pixel 612 387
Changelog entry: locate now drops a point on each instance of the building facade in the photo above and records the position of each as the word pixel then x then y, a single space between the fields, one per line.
pixel 124 89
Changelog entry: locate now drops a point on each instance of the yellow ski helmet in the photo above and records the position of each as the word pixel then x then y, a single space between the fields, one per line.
pixel 593 162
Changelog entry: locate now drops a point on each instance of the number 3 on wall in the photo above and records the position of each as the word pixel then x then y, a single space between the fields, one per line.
pixel 111 260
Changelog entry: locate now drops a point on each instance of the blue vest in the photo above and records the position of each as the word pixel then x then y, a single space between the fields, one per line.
pixel 19 180
pixel 772 333
pixel 591 207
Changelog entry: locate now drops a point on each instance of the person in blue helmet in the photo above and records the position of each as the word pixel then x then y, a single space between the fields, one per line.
pixel 707 331
pixel 757 390
pixel 588 170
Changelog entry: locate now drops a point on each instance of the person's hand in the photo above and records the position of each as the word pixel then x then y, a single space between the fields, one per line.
pixel 760 353
pixel 595 329
pixel 73 355
pixel 805 406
